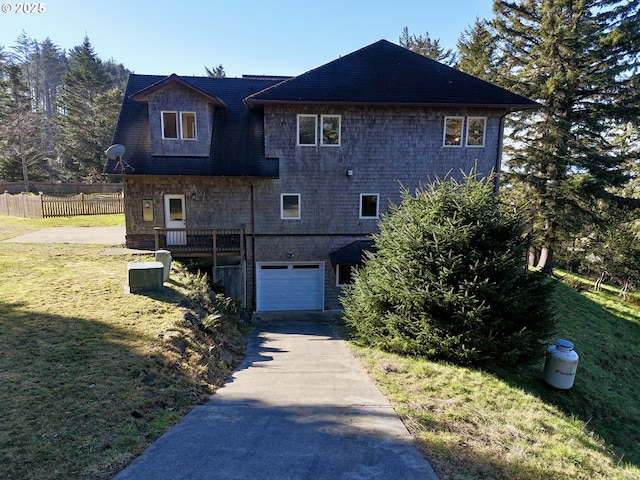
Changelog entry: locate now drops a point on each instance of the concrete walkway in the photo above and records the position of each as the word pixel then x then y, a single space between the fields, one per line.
pixel 84 235
pixel 299 407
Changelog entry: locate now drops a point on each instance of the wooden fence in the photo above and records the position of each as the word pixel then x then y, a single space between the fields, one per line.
pixel 44 206
pixel 68 188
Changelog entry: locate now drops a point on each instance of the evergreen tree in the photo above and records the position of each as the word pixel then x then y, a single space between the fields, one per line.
pixel 578 59
pixel 52 63
pixel 21 131
pixel 477 49
pixel 449 280
pixel 87 113
pixel 215 72
pixel 424 45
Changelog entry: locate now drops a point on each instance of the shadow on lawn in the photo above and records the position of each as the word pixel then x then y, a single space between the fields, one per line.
pixel 605 393
pixel 80 398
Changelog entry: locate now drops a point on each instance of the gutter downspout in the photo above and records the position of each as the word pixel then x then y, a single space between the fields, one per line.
pixel 253 251
pixel 498 163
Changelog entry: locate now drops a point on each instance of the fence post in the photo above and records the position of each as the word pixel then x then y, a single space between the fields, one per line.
pixel 42 203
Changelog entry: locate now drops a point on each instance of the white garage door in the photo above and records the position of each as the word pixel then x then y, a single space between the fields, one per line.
pixel 290 286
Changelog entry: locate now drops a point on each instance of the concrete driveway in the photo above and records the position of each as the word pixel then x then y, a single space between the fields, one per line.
pixel 84 235
pixel 299 407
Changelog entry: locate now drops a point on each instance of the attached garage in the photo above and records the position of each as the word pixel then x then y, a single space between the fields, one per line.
pixel 289 286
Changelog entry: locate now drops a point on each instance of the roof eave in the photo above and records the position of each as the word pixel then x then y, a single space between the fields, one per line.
pixel 253 103
pixel 142 95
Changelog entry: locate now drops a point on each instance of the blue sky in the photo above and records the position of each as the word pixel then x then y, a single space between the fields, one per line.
pixel 272 37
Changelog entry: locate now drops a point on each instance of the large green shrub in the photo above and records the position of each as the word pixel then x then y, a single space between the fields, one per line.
pixel 449 280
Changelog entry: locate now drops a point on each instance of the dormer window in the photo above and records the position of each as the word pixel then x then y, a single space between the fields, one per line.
pixel 171 127
pixel 188 125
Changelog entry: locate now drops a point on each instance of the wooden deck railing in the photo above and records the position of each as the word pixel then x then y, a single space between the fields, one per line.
pixel 200 242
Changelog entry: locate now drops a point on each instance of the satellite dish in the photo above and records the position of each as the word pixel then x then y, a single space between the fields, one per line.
pixel 115 152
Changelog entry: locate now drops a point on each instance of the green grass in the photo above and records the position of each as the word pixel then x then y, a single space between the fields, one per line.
pixel 86 383
pixel 89 375
pixel 474 424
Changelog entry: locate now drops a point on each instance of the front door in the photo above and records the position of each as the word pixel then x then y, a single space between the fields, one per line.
pixel 175 218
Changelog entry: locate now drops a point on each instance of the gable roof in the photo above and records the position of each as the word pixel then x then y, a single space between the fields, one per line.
pixel 143 95
pixel 386 74
pixel 237 143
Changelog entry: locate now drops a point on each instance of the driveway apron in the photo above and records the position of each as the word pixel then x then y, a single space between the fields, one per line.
pixel 299 407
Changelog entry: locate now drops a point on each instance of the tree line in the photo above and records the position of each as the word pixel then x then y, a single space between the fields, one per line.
pixel 573 165
pixel 57 111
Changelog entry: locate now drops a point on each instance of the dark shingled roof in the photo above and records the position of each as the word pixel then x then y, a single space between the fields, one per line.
pixel 353 254
pixel 385 73
pixel 143 94
pixel 237 144
pixel 379 74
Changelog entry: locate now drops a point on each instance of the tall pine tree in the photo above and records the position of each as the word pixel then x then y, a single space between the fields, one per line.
pixel 21 131
pixel 425 45
pixel 578 59
pixel 87 113
pixel 477 50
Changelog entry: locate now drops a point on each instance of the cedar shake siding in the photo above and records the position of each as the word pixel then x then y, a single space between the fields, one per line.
pixel 253 166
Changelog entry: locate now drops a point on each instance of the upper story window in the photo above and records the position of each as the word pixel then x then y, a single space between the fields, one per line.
pixel 307 130
pixel 330 130
pixel 186 126
pixel 290 206
pixel 475 131
pixel 368 205
pixel 453 131
pixel 169 124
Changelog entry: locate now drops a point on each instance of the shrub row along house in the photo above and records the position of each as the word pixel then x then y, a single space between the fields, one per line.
pixel 281 181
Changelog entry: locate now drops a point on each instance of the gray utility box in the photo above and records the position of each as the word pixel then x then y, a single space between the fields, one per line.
pixel 145 276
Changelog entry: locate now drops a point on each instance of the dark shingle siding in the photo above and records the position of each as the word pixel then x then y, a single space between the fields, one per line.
pixel 237 147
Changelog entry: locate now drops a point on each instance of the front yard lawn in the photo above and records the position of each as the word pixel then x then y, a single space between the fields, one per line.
pixel 473 424
pixel 90 376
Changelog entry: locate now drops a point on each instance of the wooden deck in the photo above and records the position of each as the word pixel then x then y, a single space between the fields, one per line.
pixel 201 242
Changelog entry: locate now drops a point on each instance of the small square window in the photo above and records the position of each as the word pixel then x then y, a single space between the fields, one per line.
pixel 330 130
pixel 169 124
pixel 290 206
pixel 344 274
pixel 475 131
pixel 307 130
pixel 368 205
pixel 188 125
pixel 453 131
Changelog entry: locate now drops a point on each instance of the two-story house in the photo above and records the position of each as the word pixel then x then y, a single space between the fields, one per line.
pixel 281 181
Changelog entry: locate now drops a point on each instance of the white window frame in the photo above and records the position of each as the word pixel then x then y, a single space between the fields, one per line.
pixel 484 131
pixel 195 126
pixel 282 215
pixel 322 117
pixel 177 124
pixel 377 205
pixel 315 130
pixel 338 284
pixel 444 133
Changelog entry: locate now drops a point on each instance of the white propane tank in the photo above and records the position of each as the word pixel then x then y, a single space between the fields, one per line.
pixel 560 365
